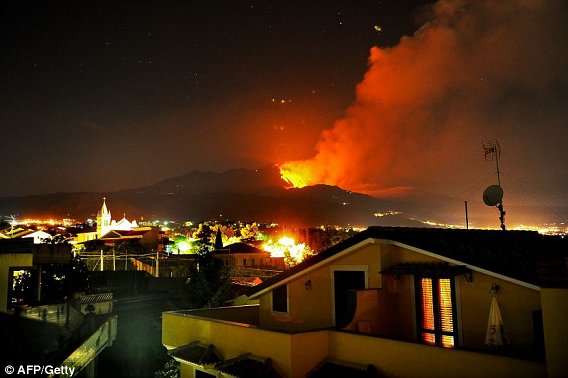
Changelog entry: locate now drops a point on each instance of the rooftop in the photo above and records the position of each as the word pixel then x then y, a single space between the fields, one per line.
pixel 515 254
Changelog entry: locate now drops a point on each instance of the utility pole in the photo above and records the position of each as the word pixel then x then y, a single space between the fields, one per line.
pixel 466 217
pixel 157 264
pixel 102 262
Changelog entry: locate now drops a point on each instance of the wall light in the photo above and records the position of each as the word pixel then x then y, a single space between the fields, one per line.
pixel 308 285
pixel 494 288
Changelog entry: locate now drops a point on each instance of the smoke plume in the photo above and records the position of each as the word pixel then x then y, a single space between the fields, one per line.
pixel 475 71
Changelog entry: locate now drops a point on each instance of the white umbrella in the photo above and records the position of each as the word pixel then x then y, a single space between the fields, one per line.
pixel 496 336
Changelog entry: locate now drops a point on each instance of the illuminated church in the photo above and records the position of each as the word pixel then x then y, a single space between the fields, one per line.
pixel 105 223
pixel 110 232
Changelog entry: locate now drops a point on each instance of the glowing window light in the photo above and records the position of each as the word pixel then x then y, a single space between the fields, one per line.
pixel 428 322
pixel 437 312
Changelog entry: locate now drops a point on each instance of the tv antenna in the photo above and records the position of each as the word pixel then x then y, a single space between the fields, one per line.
pixel 493 194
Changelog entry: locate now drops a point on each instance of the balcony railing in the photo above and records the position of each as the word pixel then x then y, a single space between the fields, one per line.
pixel 235 331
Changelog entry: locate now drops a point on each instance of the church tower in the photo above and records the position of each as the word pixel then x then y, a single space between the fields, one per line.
pixel 103 220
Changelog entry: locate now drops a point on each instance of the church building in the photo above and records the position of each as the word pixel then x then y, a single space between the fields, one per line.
pixel 105 223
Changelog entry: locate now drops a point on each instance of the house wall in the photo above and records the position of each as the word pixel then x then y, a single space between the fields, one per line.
pixel 86 236
pixel 555 316
pixel 296 354
pixel 8 260
pixel 517 304
pixel 246 259
pixel 390 310
pixel 313 308
pixel 403 359
pixel 230 339
pixel 151 240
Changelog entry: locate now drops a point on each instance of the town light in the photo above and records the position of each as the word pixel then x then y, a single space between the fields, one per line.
pixel 183 246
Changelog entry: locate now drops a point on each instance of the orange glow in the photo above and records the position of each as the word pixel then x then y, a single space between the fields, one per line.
pixel 412 126
pixel 445 309
pixel 427 311
pixel 294 178
pixel 286 247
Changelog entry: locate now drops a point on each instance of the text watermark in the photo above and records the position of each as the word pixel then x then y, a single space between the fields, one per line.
pixel 39 369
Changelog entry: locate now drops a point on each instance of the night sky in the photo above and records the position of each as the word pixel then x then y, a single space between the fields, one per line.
pixel 108 95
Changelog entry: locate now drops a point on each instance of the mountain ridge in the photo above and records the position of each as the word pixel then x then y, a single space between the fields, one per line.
pixel 251 195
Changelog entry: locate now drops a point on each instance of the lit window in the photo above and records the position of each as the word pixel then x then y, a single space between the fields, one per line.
pixel 435 300
pixel 280 299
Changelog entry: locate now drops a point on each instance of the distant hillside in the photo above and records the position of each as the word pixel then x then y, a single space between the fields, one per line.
pixel 254 195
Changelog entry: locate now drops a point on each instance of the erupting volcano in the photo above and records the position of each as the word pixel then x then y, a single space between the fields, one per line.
pixel 475 70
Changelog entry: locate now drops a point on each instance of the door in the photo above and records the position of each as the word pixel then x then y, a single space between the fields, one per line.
pixel 345 283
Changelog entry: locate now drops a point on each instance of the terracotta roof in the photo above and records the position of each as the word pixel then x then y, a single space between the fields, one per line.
pixel 245 281
pixel 514 254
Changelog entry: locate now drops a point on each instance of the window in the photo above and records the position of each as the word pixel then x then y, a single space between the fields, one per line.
pixel 436 313
pixel 280 299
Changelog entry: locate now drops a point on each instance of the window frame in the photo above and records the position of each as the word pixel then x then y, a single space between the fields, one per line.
pixel 272 302
pixel 438 332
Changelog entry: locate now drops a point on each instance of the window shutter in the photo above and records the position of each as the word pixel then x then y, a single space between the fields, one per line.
pixel 436 311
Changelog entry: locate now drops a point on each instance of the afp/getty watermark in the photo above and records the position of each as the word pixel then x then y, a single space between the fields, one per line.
pixel 39 369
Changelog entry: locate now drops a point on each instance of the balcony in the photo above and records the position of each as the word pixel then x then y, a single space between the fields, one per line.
pixel 235 331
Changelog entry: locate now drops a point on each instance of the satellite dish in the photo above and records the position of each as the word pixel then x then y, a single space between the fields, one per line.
pixel 493 195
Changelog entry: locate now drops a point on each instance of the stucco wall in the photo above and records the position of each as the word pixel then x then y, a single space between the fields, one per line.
pixel 516 303
pixel 402 359
pixel 313 308
pixel 395 307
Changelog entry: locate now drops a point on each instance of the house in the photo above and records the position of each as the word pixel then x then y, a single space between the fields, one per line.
pixel 402 302
pixel 38 236
pixel 146 238
pixel 244 255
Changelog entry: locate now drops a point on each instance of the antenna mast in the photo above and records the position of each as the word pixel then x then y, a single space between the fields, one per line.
pixel 492 151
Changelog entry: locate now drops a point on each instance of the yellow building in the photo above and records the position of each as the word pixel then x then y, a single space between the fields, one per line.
pixel 400 302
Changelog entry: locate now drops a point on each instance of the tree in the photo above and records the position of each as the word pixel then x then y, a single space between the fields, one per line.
pixel 58 283
pixel 61 281
pixel 22 288
pixel 56 239
pixel 249 231
pixel 219 239
pixel 169 370
pixel 209 286
pixel 296 254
